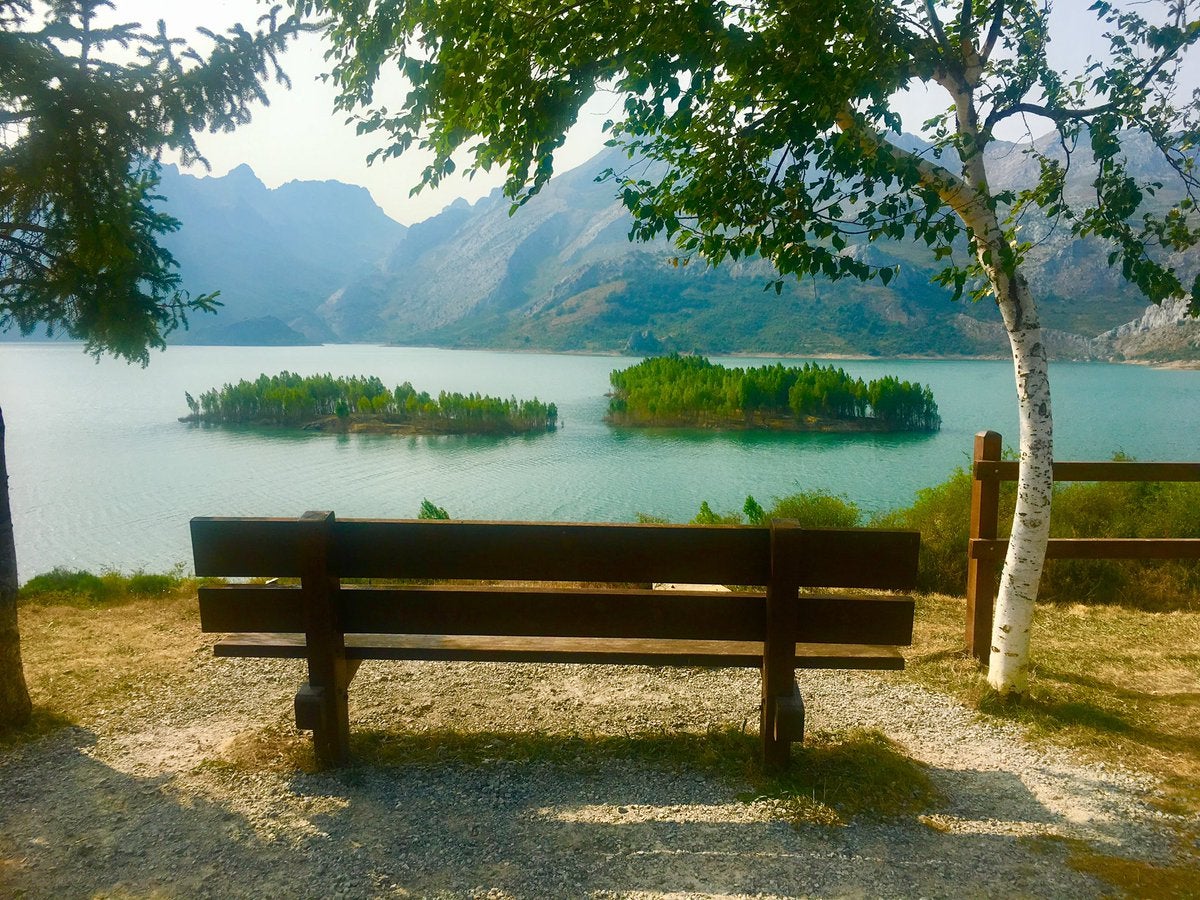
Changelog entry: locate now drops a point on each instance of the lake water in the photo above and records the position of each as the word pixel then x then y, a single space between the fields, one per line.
pixel 103 475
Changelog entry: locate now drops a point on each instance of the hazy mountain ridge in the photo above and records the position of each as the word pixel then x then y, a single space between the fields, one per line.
pixel 561 274
pixel 319 261
pixel 272 253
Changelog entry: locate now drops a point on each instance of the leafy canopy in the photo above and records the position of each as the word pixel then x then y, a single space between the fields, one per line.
pixel 766 127
pixel 86 110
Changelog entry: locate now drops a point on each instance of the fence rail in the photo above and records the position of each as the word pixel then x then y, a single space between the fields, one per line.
pixel 986 550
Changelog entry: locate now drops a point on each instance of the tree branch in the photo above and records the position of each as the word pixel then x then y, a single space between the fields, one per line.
pixel 936 24
pixel 994 32
pixel 950 187
pixel 1060 114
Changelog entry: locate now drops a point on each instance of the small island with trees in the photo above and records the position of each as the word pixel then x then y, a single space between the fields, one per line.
pixel 692 392
pixel 364 404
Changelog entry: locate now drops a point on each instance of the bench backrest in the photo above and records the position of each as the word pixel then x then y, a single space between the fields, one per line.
pixel 321 551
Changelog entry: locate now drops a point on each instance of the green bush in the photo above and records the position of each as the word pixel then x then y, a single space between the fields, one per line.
pixel 707 517
pixel 73 586
pixel 60 582
pixel 145 584
pixel 429 510
pixel 942 515
pixel 1106 509
pixel 816 509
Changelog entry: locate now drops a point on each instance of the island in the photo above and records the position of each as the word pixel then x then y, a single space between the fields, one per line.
pixel 692 392
pixel 364 404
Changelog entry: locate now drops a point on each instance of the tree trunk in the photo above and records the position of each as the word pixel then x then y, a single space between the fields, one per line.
pixel 15 707
pixel 1008 668
pixel 1008 665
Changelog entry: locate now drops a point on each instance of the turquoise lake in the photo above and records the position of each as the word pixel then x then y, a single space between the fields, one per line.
pixel 104 476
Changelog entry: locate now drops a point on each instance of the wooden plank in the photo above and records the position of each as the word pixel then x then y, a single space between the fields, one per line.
pixel 1111 470
pixel 536 551
pixel 851 558
pixel 1100 548
pixel 788 544
pixel 324 703
pixel 850 619
pixel 453 609
pixel 251 607
pixel 247 547
pixel 475 648
pixel 789 716
pixel 582 612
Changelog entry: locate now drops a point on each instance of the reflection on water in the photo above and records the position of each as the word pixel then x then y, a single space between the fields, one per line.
pixel 102 472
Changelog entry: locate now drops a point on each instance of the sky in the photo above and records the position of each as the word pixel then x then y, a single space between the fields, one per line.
pixel 298 136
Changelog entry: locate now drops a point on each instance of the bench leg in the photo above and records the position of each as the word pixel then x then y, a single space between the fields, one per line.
pixel 326 713
pixel 781 725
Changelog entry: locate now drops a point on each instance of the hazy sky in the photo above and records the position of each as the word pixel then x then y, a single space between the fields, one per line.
pixel 299 137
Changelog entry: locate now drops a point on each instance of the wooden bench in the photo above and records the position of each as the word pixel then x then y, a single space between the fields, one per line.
pixel 335 627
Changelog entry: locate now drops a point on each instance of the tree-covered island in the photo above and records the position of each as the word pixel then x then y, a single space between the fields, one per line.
pixel 364 403
pixel 690 391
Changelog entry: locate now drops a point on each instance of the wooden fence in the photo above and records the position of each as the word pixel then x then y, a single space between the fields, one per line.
pixel 986 551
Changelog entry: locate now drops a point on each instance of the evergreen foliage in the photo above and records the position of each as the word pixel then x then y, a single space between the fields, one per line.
pixel 691 390
pixel 288 399
pixel 430 510
pixel 87 107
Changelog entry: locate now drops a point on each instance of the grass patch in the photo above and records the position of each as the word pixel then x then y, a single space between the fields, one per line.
pixel 62 586
pixel 1128 877
pixel 81 658
pixel 1120 685
pixel 837 777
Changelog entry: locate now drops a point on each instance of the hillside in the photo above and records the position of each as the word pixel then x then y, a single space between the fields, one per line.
pixel 319 261
pixel 274 254
pixel 562 275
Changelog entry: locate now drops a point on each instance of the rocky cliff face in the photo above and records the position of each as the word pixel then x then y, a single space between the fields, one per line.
pixel 1162 333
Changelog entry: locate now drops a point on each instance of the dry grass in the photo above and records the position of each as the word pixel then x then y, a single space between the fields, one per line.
pixel 1119 685
pixel 1122 685
pixel 82 658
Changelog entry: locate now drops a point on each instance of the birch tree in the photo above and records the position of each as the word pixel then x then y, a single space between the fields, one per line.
pixel 86 109
pixel 769 128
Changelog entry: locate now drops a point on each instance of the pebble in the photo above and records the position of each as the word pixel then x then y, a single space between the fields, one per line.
pixel 155 776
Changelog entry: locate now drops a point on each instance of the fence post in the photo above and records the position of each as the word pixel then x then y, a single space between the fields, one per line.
pixel 321 705
pixel 983 579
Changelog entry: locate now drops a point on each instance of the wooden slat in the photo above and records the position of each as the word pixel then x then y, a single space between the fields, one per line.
pixel 1099 548
pixel 524 551
pixel 451 609
pixel 251 607
pixel 855 619
pixel 1006 470
pixel 247 548
pixel 851 557
pixel 468 648
pixel 519 551
pixel 440 609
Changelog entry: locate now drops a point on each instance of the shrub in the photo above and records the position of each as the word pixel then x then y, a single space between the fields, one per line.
pixel 942 515
pixel 816 509
pixel 60 582
pixel 707 517
pixel 145 584
pixel 429 510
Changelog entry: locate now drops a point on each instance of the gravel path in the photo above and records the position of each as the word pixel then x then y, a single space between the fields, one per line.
pixel 143 799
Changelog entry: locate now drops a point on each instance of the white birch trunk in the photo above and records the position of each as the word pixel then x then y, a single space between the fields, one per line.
pixel 1008 664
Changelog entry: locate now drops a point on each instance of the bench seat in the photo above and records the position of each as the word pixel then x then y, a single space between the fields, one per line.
pixel 612 651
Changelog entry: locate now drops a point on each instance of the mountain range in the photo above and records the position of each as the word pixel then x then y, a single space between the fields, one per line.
pixel 320 261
